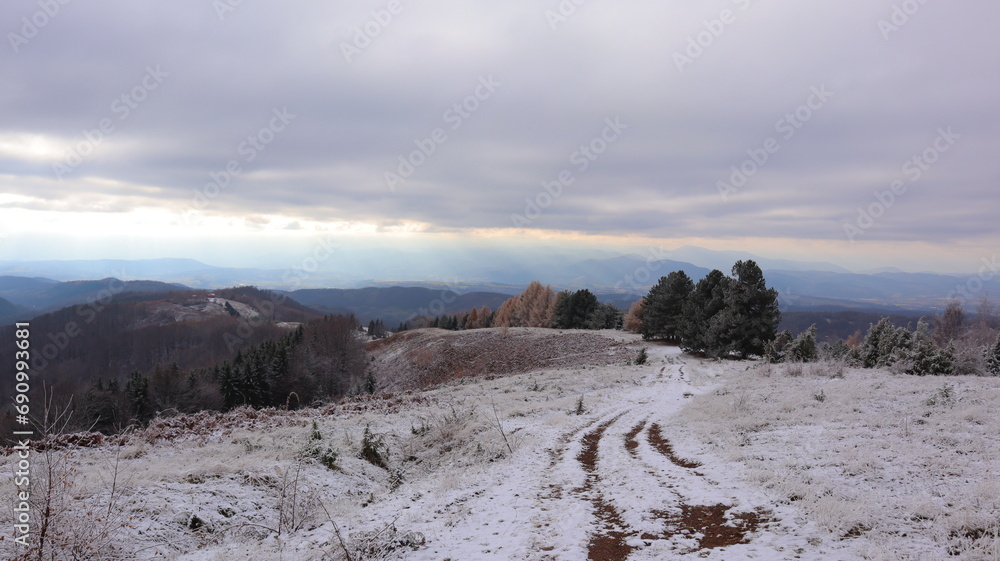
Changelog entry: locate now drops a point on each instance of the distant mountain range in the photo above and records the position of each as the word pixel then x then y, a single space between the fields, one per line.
pixel 723 260
pixel 37 286
pixel 42 293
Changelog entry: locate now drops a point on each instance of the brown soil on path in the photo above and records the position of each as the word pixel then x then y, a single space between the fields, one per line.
pixel 631 444
pixel 608 544
pixel 663 446
pixel 710 525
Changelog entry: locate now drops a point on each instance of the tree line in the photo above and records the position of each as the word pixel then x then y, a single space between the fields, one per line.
pixel 537 306
pixel 717 316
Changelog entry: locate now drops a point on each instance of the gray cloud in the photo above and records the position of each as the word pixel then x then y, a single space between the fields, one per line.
pixel 224 78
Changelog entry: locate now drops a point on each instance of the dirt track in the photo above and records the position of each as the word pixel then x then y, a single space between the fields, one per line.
pixel 714 525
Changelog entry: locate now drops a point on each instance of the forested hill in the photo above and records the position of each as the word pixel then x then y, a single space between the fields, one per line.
pixel 112 337
pixel 396 304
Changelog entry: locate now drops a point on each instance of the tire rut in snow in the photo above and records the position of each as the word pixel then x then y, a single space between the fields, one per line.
pixel 608 543
pixel 663 446
pixel 712 526
pixel 631 444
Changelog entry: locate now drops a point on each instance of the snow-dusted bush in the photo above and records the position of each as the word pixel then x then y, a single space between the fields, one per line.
pixel 775 351
pixel 922 356
pixel 784 348
pixel 642 357
pixel 992 355
pixel 374 450
pixel 803 348
pixel 318 450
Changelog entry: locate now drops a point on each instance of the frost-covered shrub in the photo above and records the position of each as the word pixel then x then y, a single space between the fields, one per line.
pixel 838 351
pixel 374 450
pixel 885 344
pixel 992 354
pixel 774 351
pixel 319 451
pixel 803 348
pixel 882 344
pixel 642 356
pixel 924 357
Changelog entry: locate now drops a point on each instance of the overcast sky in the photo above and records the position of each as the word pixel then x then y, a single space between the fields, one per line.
pixel 143 129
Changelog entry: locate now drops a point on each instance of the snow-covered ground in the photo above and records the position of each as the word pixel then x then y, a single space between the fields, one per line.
pixel 677 458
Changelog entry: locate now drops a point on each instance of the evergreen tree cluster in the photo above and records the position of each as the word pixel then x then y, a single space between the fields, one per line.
pixel 377 330
pixel 580 309
pixel 452 323
pixel 259 376
pixel 718 316
pixel 110 406
pixel 317 361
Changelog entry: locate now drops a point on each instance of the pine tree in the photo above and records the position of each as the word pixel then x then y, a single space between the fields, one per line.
pixel 664 313
pixel 575 310
pixel 751 317
pixel 605 316
pixel 137 392
pixel 705 302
